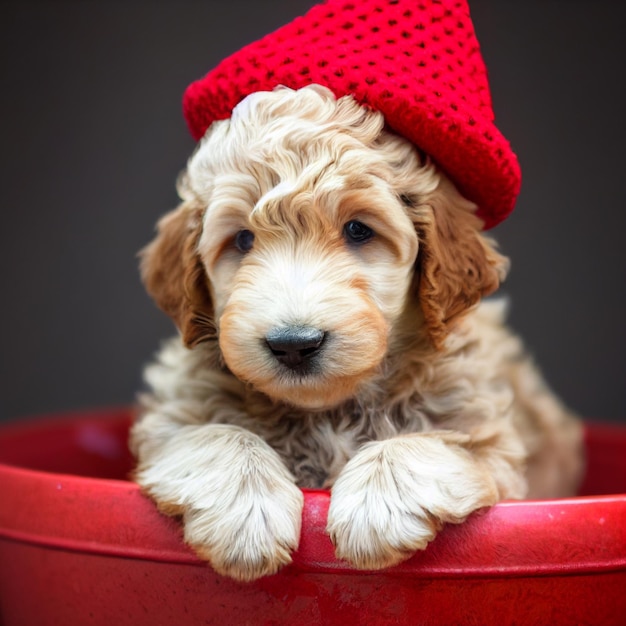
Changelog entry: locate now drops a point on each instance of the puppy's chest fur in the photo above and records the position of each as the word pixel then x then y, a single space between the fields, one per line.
pixel 316 446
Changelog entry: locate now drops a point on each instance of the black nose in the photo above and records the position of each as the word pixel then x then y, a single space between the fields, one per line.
pixel 294 346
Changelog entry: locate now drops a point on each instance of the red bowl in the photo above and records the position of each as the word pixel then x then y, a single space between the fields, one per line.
pixel 80 545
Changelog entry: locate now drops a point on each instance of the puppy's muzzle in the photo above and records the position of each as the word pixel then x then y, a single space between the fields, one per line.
pixel 295 346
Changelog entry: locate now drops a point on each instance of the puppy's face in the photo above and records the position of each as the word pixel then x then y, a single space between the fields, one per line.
pixel 297 242
pixel 307 280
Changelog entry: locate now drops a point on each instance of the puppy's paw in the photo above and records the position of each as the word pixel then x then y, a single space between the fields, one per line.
pixel 251 537
pixel 393 496
pixel 241 509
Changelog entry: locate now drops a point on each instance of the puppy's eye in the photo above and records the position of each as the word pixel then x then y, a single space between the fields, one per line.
pixel 244 240
pixel 357 232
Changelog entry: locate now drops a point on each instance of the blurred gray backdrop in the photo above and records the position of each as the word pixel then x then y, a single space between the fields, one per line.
pixel 92 139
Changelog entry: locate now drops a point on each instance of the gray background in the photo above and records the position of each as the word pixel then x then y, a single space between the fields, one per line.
pixel 92 139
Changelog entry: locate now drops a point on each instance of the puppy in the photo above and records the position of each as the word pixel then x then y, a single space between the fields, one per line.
pixel 326 279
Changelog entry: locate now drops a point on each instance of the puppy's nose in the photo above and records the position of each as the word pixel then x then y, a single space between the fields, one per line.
pixel 294 346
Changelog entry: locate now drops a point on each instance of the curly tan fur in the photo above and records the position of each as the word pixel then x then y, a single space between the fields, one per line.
pixel 421 408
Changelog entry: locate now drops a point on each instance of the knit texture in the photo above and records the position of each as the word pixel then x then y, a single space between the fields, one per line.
pixel 416 61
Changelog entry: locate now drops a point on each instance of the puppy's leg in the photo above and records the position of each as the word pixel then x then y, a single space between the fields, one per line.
pixel 393 496
pixel 240 506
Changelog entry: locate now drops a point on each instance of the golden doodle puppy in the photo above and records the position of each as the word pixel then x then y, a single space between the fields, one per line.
pixel 326 280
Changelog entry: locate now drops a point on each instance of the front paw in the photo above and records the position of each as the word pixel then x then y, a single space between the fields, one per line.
pixel 392 498
pixel 252 536
pixel 241 509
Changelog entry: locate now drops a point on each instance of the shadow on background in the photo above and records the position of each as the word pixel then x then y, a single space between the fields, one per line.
pixel 93 139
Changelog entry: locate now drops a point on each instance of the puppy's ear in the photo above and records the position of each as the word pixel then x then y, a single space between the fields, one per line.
pixel 456 264
pixel 174 276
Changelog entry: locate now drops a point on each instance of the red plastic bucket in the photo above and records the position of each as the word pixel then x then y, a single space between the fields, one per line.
pixel 80 545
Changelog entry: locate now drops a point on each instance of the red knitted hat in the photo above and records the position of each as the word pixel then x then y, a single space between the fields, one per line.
pixel 416 61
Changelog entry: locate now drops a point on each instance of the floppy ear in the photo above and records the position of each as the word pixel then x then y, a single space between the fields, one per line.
pixel 456 264
pixel 174 276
